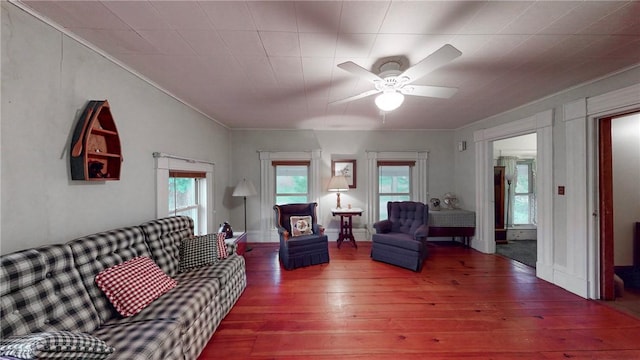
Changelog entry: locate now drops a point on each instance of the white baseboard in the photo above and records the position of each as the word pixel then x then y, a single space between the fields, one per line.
pixel 521 234
pixel 570 282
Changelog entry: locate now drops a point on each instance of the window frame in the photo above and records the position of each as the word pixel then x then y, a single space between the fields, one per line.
pixel 165 164
pixel 419 178
pixel 268 230
pixel 409 165
pixel 281 163
pixel 199 188
pixel 530 194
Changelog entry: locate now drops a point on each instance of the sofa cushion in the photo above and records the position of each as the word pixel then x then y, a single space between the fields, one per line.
pixel 306 240
pixel 399 240
pixel 231 275
pixel 134 284
pixel 41 290
pixel 143 340
pixel 223 270
pixel 198 251
pixel 164 236
pixel 55 345
pixel 97 252
pixel 183 303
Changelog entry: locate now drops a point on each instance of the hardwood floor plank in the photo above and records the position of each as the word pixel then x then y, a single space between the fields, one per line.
pixel 462 305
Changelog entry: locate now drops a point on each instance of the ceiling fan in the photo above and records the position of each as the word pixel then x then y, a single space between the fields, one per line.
pixel 394 84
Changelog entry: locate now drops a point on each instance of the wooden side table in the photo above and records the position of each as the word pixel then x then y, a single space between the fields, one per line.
pixel 240 239
pixel 346 224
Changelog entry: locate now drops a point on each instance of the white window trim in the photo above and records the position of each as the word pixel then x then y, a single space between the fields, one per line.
pixel 166 163
pixel 268 187
pixel 419 179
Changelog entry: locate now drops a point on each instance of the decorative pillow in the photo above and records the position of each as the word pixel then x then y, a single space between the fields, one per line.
pixel 55 345
pixel 134 284
pixel 198 251
pixel 301 225
pixel 222 246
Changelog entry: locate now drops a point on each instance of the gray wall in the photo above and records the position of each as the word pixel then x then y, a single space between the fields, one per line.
pixel 245 162
pixel 47 79
pixel 465 161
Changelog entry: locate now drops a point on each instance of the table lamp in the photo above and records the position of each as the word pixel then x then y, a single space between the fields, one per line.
pixel 338 183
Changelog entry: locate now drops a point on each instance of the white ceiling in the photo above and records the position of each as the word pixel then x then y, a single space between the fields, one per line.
pixel 272 65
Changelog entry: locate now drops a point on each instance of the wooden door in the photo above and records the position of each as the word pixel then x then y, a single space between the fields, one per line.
pixel 605 164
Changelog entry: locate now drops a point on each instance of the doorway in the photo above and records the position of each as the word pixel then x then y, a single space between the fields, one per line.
pixel 484 240
pixel 619 202
pixel 515 176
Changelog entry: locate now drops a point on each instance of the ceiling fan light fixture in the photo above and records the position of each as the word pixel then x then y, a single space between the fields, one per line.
pixel 389 100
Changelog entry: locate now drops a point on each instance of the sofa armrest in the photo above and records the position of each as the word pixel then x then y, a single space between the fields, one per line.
pixel 318 229
pixel 383 226
pixel 421 232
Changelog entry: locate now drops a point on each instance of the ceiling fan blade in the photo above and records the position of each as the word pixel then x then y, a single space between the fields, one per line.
pixel 429 91
pixel 356 69
pixel 355 97
pixel 437 59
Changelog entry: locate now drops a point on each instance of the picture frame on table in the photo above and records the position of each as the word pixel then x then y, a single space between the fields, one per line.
pixel 347 168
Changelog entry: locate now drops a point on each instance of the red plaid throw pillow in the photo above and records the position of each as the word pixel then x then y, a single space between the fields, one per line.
pixel 222 246
pixel 134 284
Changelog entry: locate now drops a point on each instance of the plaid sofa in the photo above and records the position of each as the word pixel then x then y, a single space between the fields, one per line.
pixel 52 288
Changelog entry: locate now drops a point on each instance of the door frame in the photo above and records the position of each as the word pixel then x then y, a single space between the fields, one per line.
pixel 606 204
pixel 608 105
pixel 541 124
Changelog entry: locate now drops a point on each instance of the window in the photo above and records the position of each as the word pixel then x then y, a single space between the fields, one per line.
pixel 292 182
pixel 394 184
pixel 306 165
pixel 183 187
pixel 186 190
pixel 524 197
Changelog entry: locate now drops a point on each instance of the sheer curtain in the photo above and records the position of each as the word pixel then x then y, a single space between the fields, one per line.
pixel 534 196
pixel 510 172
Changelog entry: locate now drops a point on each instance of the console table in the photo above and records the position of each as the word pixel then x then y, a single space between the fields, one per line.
pixel 452 222
pixel 346 225
pixel 240 239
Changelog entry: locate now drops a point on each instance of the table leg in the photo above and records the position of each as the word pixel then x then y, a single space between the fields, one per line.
pixel 350 235
pixel 341 235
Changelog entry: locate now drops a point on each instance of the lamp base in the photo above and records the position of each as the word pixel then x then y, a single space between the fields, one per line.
pixel 338 201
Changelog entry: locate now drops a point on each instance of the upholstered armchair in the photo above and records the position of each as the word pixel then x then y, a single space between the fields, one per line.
pixel 402 239
pixel 302 240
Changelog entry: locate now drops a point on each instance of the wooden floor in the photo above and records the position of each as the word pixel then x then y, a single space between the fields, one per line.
pixel 463 305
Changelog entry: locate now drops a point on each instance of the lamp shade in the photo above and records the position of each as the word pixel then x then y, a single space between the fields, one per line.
pixel 338 183
pixel 244 188
pixel 389 100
